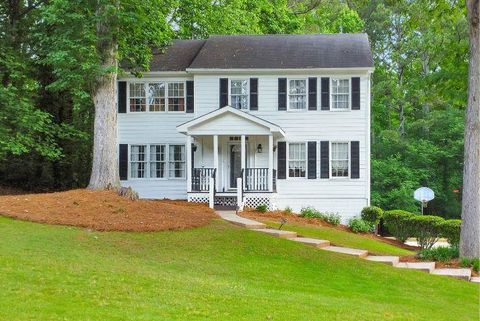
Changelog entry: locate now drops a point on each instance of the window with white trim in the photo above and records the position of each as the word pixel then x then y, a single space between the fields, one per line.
pixel 239 93
pixel 156 96
pixel 137 97
pixel 340 93
pixel 158 161
pixel 340 159
pixel 138 161
pixel 176 96
pixel 297 160
pixel 177 161
pixel 297 94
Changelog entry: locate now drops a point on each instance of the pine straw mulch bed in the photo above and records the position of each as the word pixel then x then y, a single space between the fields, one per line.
pixel 105 211
pixel 315 222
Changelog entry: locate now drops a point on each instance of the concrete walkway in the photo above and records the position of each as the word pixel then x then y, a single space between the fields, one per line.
pixel 429 267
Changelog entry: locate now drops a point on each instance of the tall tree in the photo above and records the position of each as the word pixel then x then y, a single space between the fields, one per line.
pixel 470 233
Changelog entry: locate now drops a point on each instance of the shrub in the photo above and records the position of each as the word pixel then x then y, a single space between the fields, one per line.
pixel 442 254
pixel 288 210
pixel 310 212
pixel 450 230
pixel 397 224
pixel 262 208
pixel 332 218
pixel 372 214
pixel 426 228
pixel 358 225
pixel 473 263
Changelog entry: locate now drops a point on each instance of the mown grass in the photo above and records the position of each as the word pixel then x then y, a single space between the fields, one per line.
pixel 217 272
pixel 342 238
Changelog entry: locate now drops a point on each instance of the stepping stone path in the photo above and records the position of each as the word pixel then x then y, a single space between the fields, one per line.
pixel 428 267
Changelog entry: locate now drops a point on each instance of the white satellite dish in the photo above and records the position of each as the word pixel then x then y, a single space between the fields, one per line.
pixel 424 195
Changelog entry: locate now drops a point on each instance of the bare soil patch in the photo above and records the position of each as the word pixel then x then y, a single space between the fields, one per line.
pixel 315 222
pixel 105 211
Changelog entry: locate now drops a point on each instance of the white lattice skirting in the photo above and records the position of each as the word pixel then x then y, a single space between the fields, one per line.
pixel 253 201
pixel 198 198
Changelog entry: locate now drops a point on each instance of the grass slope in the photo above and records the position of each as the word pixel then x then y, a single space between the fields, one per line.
pixel 216 272
pixel 343 238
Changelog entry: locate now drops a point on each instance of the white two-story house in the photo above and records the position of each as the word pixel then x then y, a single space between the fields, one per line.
pixel 286 117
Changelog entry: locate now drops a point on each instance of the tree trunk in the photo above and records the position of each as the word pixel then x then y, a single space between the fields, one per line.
pixel 470 235
pixel 105 159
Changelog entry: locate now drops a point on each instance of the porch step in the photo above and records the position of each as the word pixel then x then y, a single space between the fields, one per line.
pixel 233 218
pixel 346 250
pixel 421 266
pixel 278 233
pixel 311 242
pixel 475 279
pixel 390 260
pixel 464 274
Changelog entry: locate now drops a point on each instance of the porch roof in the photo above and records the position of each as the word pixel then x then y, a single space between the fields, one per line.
pixel 229 121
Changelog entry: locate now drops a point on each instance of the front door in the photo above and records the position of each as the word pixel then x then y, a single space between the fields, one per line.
pixel 235 164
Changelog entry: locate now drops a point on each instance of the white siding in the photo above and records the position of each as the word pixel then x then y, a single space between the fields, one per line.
pixel 346 196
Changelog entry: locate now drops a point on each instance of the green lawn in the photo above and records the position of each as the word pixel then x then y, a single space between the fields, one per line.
pixel 218 272
pixel 342 238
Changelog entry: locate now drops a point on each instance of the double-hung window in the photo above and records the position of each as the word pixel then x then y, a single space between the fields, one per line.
pixel 297 94
pixel 158 159
pixel 340 159
pixel 239 93
pixel 297 160
pixel 138 161
pixel 176 96
pixel 137 97
pixel 177 161
pixel 340 94
pixel 156 96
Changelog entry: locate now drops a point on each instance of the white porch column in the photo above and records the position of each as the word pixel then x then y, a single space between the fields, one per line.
pixel 189 163
pixel 215 161
pixel 242 155
pixel 270 162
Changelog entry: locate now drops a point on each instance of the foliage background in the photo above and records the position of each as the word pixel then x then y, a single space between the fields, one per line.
pixel 48 59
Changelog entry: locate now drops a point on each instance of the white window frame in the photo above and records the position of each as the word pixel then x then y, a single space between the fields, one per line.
pixel 349 79
pixel 184 161
pixel 148 176
pixel 306 95
pixel 147 105
pixel 288 160
pixel 330 149
pixel 230 92
pixel 146 169
pixel 165 168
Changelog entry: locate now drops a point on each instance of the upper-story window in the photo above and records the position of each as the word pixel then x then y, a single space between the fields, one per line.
pixel 137 97
pixel 297 94
pixel 239 93
pixel 157 96
pixel 340 93
pixel 340 159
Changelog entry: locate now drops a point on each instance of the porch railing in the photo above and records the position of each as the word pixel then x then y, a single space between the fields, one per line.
pixel 201 179
pixel 256 179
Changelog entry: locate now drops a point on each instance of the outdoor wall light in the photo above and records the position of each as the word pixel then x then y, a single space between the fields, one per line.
pixel 194 148
pixel 259 148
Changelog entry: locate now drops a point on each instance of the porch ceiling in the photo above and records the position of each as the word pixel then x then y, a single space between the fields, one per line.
pixel 229 121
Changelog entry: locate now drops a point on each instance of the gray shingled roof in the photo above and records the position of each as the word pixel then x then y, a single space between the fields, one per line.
pixel 267 52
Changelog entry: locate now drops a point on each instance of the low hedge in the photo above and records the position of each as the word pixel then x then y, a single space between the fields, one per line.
pixel 450 230
pixel 426 228
pixel 359 225
pixel 372 214
pixel 398 224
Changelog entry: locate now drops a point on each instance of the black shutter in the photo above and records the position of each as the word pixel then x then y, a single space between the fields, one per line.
pixel 223 92
pixel 189 96
pixel 325 93
pixel 355 162
pixel 122 97
pixel 324 160
pixel 312 93
pixel 356 93
pixel 282 93
pixel 312 160
pixel 253 93
pixel 123 162
pixel 282 160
